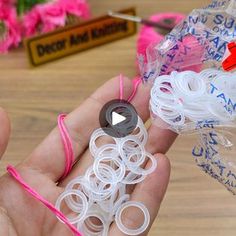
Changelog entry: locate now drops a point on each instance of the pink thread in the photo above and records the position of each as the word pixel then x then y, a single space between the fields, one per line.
pixel 68 147
pixel 69 154
pixel 136 82
pixel 121 79
pixel 69 157
pixel 11 170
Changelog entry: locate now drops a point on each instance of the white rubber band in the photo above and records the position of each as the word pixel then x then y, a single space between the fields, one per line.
pixel 124 229
pixel 141 171
pixel 82 212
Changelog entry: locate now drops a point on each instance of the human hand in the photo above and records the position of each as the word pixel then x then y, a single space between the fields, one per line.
pixel 20 214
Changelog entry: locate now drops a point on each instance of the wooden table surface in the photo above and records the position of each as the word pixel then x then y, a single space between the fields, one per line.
pixel 194 205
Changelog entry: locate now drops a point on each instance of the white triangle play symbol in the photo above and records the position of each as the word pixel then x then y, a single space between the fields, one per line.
pixel 117 118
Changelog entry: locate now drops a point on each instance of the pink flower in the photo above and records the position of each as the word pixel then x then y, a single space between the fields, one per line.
pixel 79 8
pixel 43 18
pixel 49 16
pixel 9 28
pixel 31 22
pixel 52 15
pixel 7 2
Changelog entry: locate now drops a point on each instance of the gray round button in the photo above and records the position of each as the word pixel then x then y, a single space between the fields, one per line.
pixel 118 118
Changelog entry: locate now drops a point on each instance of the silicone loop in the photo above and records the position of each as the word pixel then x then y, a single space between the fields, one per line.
pixel 108 204
pixel 118 204
pixel 73 204
pixel 184 97
pixel 132 178
pixel 126 230
pixel 141 171
pixel 107 149
pixel 82 212
pixel 140 132
pixel 96 135
pixel 119 172
pixel 90 228
pixel 189 85
pixel 96 189
pixel 128 145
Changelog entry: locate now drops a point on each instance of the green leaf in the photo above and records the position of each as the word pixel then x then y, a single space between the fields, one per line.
pixel 3 30
pixel 26 5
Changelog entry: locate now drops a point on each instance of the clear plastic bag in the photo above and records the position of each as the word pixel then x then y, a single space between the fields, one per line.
pixel 203 104
pixel 199 42
pixel 181 100
pixel 188 98
pixel 215 153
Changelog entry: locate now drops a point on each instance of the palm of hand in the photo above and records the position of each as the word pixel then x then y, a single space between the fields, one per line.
pixel 21 214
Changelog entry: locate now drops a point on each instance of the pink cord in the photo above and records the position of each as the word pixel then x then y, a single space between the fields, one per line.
pixel 136 82
pixel 121 79
pixel 11 170
pixel 69 157
pixel 68 147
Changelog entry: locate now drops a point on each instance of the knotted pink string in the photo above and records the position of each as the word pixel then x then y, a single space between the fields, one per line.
pixel 67 143
pixel 11 170
pixel 136 82
pixel 69 159
pixel 121 79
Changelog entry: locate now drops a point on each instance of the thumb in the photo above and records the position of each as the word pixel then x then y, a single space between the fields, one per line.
pixel 5 130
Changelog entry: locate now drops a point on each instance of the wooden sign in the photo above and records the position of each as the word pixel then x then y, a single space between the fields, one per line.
pixel 73 39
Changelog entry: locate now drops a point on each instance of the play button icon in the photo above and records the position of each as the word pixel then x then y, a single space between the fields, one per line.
pixel 118 118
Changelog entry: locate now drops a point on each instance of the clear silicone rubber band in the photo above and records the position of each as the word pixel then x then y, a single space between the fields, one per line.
pixel 135 145
pixel 126 230
pixel 117 204
pixel 96 189
pixel 70 201
pixel 142 135
pixel 107 149
pixel 108 204
pixel 119 172
pixel 84 203
pixel 98 230
pixel 172 117
pixel 141 171
pixel 132 178
pixel 189 85
pixel 96 135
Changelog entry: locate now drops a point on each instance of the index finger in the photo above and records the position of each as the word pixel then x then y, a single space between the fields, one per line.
pixel 49 156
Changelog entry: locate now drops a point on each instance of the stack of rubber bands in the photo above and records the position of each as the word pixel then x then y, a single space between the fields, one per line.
pixel 202 103
pixel 184 97
pixel 187 99
pixel 200 41
pixel 101 194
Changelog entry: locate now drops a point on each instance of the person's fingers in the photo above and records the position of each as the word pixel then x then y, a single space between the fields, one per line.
pixel 49 156
pixel 159 139
pixel 5 130
pixel 140 102
pixel 150 192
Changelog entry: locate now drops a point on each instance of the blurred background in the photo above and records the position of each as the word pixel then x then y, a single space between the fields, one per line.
pixel 195 204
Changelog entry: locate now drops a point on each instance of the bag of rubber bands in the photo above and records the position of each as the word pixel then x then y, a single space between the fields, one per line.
pixel 191 94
